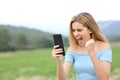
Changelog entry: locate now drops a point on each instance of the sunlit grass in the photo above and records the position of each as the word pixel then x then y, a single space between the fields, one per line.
pixel 27 63
pixel 38 62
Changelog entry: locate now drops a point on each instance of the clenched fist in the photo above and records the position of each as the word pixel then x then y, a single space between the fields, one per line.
pixel 90 45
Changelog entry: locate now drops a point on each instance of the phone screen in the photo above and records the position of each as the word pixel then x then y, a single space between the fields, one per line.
pixel 58 41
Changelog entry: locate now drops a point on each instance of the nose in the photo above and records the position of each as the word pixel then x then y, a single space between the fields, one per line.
pixel 76 33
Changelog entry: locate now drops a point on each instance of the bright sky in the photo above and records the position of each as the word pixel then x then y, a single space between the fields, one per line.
pixel 41 14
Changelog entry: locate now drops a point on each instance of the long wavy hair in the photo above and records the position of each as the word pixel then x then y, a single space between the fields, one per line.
pixel 88 21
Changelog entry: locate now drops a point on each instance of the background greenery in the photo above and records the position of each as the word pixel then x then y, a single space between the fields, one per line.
pixel 20 38
pixel 38 62
pixel 26 53
pixel 14 38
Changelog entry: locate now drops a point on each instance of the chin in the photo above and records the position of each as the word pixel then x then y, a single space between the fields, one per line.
pixel 81 44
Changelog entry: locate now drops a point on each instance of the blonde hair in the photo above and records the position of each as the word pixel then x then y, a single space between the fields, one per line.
pixel 87 20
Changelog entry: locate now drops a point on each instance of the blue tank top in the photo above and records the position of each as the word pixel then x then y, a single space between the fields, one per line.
pixel 83 64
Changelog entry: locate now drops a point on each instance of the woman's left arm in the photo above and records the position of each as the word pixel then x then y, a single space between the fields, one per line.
pixel 102 68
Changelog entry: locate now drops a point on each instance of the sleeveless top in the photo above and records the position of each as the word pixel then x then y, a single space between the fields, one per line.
pixel 83 65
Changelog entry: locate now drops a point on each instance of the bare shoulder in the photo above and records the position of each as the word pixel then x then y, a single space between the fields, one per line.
pixel 71 48
pixel 102 45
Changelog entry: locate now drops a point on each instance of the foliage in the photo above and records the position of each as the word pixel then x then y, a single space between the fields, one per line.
pixel 25 38
pixel 22 41
pixel 5 39
pixel 114 38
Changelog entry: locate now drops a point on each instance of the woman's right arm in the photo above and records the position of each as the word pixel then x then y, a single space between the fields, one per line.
pixel 62 69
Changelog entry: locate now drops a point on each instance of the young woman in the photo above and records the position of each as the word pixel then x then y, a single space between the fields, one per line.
pixel 89 51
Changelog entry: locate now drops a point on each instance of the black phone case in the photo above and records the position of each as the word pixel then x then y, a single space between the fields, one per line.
pixel 58 41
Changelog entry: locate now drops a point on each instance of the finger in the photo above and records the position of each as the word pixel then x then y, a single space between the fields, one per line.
pixel 60 55
pixel 92 40
pixel 55 47
pixel 56 51
pixel 89 42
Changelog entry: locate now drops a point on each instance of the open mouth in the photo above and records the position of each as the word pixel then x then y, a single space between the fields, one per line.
pixel 81 38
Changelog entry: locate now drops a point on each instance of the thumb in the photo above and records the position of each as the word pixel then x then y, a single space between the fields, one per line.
pixel 89 42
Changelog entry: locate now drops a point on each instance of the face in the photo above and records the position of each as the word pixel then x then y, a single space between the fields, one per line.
pixel 81 33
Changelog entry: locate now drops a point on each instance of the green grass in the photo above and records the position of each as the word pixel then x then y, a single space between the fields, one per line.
pixel 26 63
pixel 115 55
pixel 38 62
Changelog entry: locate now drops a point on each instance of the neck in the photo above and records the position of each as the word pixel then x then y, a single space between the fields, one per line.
pixel 82 47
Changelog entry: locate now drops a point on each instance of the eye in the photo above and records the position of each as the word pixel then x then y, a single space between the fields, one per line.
pixel 73 30
pixel 79 30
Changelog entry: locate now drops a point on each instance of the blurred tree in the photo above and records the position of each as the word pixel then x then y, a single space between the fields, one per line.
pixel 22 41
pixel 43 42
pixel 5 39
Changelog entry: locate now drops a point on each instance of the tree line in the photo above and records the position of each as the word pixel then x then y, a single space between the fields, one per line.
pixel 14 38
pixel 21 38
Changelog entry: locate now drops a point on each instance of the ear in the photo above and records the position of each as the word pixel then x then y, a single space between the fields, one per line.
pixel 90 32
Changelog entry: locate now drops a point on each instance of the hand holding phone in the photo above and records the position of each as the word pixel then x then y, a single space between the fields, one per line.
pixel 58 41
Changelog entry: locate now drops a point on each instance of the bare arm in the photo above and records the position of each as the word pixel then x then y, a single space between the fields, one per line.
pixel 62 69
pixel 102 68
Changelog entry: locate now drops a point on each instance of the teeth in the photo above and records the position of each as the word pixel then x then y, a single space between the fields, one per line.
pixel 79 38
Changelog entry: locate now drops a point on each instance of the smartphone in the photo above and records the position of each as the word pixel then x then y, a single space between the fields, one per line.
pixel 58 41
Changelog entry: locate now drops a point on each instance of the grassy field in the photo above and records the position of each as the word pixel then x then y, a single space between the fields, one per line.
pixel 26 65
pixel 116 55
